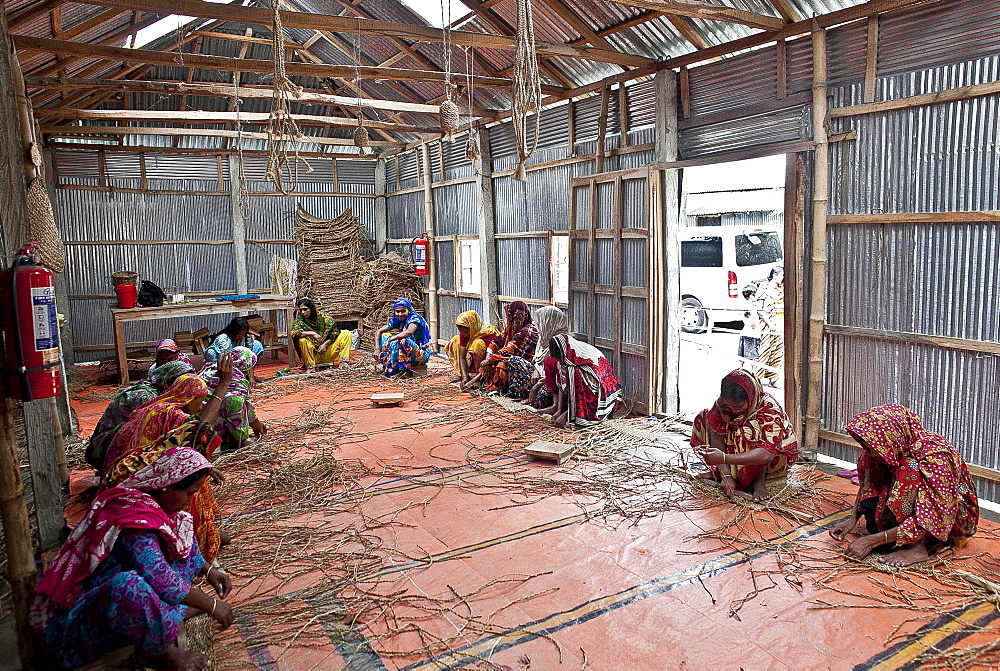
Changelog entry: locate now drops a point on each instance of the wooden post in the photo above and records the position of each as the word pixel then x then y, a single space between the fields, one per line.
pixel 381 208
pixel 602 129
pixel 795 303
pixel 239 226
pixel 623 115
pixel 432 297
pixel 665 250
pixel 781 69
pixel 13 232
pixel 48 476
pixel 483 169
pixel 871 60
pixel 685 92
pixel 820 206
pixel 571 128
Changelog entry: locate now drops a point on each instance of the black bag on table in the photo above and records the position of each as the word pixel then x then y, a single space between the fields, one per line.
pixel 150 295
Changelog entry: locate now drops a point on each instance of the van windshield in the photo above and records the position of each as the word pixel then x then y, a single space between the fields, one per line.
pixel 757 249
pixel 702 253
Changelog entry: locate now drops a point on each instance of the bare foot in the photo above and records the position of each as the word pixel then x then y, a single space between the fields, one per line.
pixel 760 490
pixel 705 475
pixel 310 370
pixel 175 659
pixel 454 380
pixel 908 555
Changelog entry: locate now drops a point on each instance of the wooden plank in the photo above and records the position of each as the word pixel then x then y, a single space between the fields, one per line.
pixel 944 342
pixel 349 25
pixel 46 472
pixel 602 129
pixel 795 274
pixel 664 253
pixel 616 273
pixel 488 267
pixel 685 93
pixel 546 450
pixel 55 144
pixel 918 218
pixel 381 208
pixel 120 356
pixel 145 56
pixel 708 12
pixel 781 69
pixel 623 115
pixel 871 60
pixel 429 229
pixel 945 96
pixel 238 225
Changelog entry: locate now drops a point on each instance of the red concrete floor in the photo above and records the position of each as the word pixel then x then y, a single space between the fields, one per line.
pixel 604 594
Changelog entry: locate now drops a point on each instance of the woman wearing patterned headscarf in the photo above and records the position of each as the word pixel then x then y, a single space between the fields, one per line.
pixel 468 349
pixel 916 491
pixel 507 368
pixel 166 352
pixel 745 438
pixel 125 575
pixel 551 322
pixel 403 342
pixel 125 402
pixel 237 415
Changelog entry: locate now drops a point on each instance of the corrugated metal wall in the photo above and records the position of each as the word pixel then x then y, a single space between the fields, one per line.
pixel 932 278
pixel 198 208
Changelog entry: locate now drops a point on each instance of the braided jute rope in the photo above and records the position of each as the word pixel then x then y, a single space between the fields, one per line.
pixel 526 87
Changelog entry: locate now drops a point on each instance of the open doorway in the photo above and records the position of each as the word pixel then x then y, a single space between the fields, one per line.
pixel 732 288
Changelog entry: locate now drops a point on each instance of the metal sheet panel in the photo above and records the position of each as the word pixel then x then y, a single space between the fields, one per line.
pixel 581 260
pixel 405 214
pixel 444 260
pixel 632 376
pixel 634 262
pixel 604 317
pixel 523 268
pixel 634 321
pixel 635 203
pixel 510 205
pixel 756 131
pixel 604 261
pixel 581 312
pixel 455 209
pixel 604 216
pixel 733 82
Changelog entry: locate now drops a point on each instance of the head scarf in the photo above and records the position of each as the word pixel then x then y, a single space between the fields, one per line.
pixel 153 420
pixel 930 490
pixel 423 333
pixel 764 424
pixel 518 317
pixel 163 376
pixel 169 345
pixel 551 321
pixel 126 507
pixel 591 387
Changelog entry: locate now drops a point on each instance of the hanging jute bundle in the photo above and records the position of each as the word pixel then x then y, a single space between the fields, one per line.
pixel 449 114
pixel 472 151
pixel 42 222
pixel 526 86
pixel 361 139
pixel 282 130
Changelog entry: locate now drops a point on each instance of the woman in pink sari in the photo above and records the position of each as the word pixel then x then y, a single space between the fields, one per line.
pixel 124 576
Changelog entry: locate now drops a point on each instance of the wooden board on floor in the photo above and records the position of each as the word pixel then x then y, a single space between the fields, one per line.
pixel 396 398
pixel 543 449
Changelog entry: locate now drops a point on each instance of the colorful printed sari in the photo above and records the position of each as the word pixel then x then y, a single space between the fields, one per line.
pixel 479 339
pixel 510 358
pixel 327 329
pixel 125 403
pixel 399 356
pixel 236 413
pixel 764 424
pixel 592 391
pixel 120 577
pixel 170 346
pixel 928 491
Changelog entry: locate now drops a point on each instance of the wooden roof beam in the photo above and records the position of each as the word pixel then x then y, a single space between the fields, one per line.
pixel 233 64
pixel 262 17
pixel 30 13
pixel 91 131
pixel 705 11
pixel 74 32
pixel 571 17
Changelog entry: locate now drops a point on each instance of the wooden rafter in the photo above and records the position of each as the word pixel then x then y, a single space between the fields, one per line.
pixel 106 131
pixel 309 21
pixel 570 16
pixel 705 11
pixel 786 10
pixel 30 13
pixel 231 64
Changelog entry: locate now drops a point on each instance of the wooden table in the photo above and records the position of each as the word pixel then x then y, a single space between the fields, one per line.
pixel 266 303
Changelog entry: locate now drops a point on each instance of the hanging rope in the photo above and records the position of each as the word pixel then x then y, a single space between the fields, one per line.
pixel 361 138
pixel 241 181
pixel 448 112
pixel 472 150
pixel 282 130
pixel 526 86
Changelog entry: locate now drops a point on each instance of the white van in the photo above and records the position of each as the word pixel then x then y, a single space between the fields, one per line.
pixel 716 263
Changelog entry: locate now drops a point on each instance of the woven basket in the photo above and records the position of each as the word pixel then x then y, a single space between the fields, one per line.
pixel 124 277
pixel 43 226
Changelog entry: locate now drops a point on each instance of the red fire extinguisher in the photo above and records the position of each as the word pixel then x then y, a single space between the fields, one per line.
pixel 420 246
pixel 30 330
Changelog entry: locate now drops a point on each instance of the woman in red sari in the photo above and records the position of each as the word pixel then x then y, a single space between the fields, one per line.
pixel 745 438
pixel 507 368
pixel 916 493
pixel 585 388
pixel 172 419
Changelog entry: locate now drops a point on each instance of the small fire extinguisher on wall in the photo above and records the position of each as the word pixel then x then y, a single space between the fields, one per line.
pixel 420 247
pixel 30 329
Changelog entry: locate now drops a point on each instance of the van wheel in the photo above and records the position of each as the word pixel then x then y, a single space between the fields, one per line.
pixel 694 317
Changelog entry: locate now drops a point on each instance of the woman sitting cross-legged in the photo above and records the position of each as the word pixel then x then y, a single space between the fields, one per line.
pixel 467 349
pixel 174 418
pixel 124 576
pixel 124 404
pixel 318 337
pixel 745 438
pixel 237 415
pixel 403 342
pixel 916 493
pixel 586 389
pixel 507 367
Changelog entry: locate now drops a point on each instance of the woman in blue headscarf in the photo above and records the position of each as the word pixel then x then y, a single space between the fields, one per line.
pixel 403 342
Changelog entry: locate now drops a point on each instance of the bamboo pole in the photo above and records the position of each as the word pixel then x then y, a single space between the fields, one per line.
pixel 17 532
pixel 821 201
pixel 432 297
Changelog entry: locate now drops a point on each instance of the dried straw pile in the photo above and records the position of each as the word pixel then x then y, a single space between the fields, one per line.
pixel 333 272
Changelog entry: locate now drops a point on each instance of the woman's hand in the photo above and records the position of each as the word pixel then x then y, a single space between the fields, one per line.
pixel 223 614
pixel 840 531
pixel 323 346
pixel 221 582
pixel 728 485
pixel 863 546
pixel 224 368
pixel 259 429
pixel 217 477
pixel 711 456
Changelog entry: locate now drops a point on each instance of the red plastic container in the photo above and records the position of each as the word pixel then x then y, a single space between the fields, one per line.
pixel 127 295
